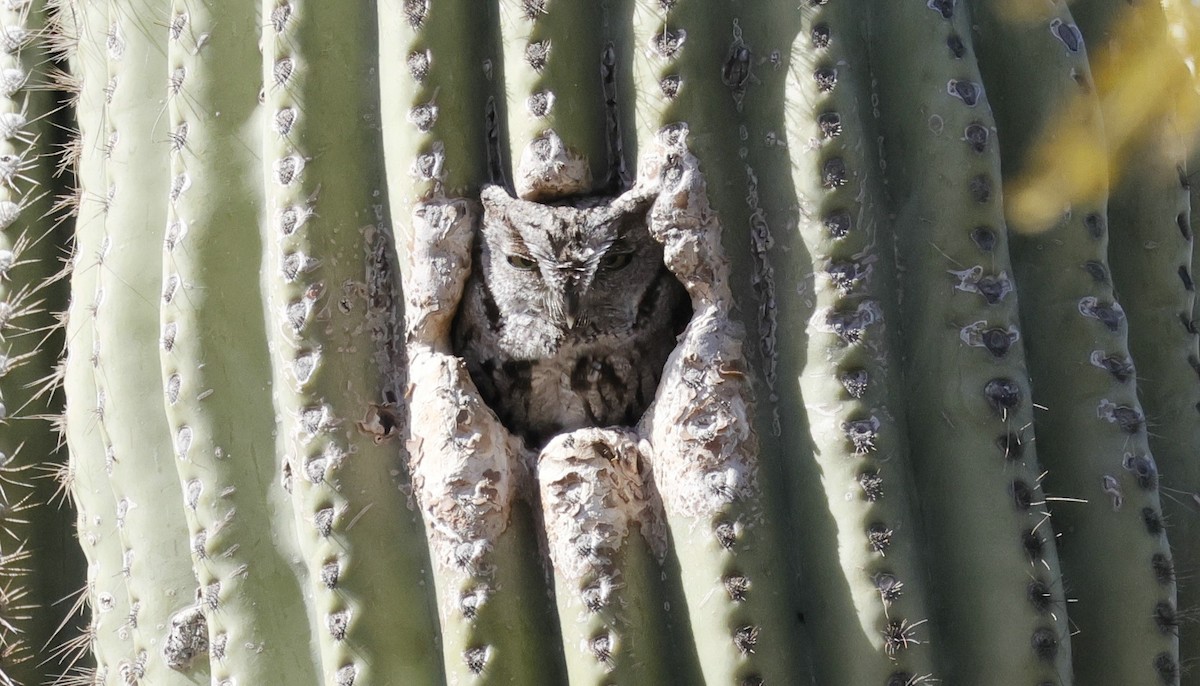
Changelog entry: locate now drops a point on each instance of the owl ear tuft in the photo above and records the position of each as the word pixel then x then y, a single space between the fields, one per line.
pixel 495 200
pixel 493 194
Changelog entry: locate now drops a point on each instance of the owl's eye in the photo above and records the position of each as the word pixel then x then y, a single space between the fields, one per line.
pixel 521 262
pixel 616 260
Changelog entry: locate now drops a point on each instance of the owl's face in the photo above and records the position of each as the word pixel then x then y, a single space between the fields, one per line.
pixel 581 266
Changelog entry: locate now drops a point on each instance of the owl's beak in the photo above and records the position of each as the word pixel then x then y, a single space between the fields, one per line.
pixel 571 305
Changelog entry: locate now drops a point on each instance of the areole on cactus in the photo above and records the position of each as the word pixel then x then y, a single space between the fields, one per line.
pixel 935 417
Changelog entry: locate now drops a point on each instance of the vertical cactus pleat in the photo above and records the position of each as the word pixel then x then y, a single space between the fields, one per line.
pixel 1091 433
pixel 706 455
pixel 437 137
pixel 108 595
pixel 553 52
pixel 214 351
pixel 1151 111
pixel 1193 224
pixel 470 477
pixel 809 121
pixel 1189 638
pixel 969 410
pixel 125 442
pixel 329 283
pixel 720 513
pixel 606 538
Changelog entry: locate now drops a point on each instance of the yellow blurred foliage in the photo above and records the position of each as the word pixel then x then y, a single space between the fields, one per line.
pixel 1147 89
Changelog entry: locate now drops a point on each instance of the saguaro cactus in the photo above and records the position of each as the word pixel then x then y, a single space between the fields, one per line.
pixel 935 417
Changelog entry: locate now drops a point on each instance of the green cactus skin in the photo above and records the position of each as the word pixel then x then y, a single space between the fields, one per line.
pixel 1106 600
pixel 977 478
pixel 863 584
pixel 682 100
pixel 39 564
pixel 330 330
pixel 451 153
pixel 1189 638
pixel 1150 251
pixel 1145 210
pixel 214 352
pixel 1193 224
pixel 556 104
pixel 497 624
pixel 705 449
pixel 1092 433
pixel 436 137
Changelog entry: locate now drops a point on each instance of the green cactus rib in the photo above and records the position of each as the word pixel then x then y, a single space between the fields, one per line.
pixel 38 562
pixel 1150 269
pixel 1182 507
pixel 1150 251
pixel 863 587
pixel 497 626
pixel 512 638
pixel 131 423
pixel 1150 265
pixel 706 460
pixel 605 539
pixel 331 337
pixel 677 90
pixel 553 59
pixel 438 68
pixel 977 477
pixel 455 148
pixel 214 352
pixel 107 591
pixel 683 101
pixel 1092 432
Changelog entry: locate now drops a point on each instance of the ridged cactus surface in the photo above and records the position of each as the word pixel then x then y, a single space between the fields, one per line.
pixel 934 417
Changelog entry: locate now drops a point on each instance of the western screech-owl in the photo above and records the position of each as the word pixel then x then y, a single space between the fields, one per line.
pixel 569 314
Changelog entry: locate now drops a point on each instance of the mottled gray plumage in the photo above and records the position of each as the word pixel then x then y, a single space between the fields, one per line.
pixel 569 314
